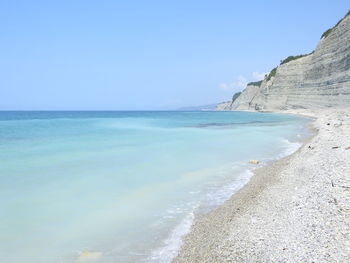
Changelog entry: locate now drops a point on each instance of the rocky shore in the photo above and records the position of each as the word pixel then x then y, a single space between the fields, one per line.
pixel 296 209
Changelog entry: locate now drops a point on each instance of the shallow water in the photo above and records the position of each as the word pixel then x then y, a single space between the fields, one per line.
pixel 124 185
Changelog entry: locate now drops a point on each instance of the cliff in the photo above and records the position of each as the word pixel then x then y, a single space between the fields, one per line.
pixel 246 98
pixel 227 105
pixel 223 106
pixel 320 79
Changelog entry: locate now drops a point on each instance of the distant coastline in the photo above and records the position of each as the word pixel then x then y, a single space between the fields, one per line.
pixel 208 107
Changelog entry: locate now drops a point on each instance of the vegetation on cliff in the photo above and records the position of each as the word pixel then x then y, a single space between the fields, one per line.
pixel 290 58
pixel 328 31
pixel 313 70
pixel 284 61
pixel 256 83
pixel 271 74
pixel 235 96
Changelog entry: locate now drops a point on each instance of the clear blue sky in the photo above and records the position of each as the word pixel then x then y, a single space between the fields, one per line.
pixel 119 55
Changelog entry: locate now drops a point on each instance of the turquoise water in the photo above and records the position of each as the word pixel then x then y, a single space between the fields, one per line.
pixel 123 186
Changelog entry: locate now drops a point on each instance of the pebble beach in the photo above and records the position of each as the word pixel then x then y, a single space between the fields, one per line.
pixel 296 209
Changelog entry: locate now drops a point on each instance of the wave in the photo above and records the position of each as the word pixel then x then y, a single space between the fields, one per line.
pixel 290 148
pixel 173 243
pixel 215 197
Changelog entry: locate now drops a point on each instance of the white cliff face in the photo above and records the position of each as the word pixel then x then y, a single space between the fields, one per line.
pixel 319 80
pixel 223 106
pixel 246 98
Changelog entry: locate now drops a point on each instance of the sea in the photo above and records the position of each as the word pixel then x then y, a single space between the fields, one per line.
pixel 124 186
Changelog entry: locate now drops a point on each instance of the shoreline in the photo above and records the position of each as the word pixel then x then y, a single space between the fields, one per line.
pixel 276 216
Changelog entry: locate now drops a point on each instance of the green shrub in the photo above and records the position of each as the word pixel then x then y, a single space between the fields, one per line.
pixel 235 96
pixel 256 83
pixel 271 74
pixel 290 58
pixel 328 31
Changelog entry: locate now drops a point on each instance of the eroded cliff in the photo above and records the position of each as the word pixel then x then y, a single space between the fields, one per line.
pixel 318 80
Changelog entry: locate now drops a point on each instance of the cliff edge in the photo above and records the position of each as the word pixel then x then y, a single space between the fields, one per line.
pixel 320 79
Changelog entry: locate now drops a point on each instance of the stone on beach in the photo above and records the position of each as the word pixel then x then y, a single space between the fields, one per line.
pixel 254 162
pixel 89 256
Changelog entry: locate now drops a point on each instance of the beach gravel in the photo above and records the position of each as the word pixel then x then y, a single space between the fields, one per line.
pixel 296 209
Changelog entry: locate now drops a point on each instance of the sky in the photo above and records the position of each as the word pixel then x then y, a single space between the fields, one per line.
pixel 148 55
